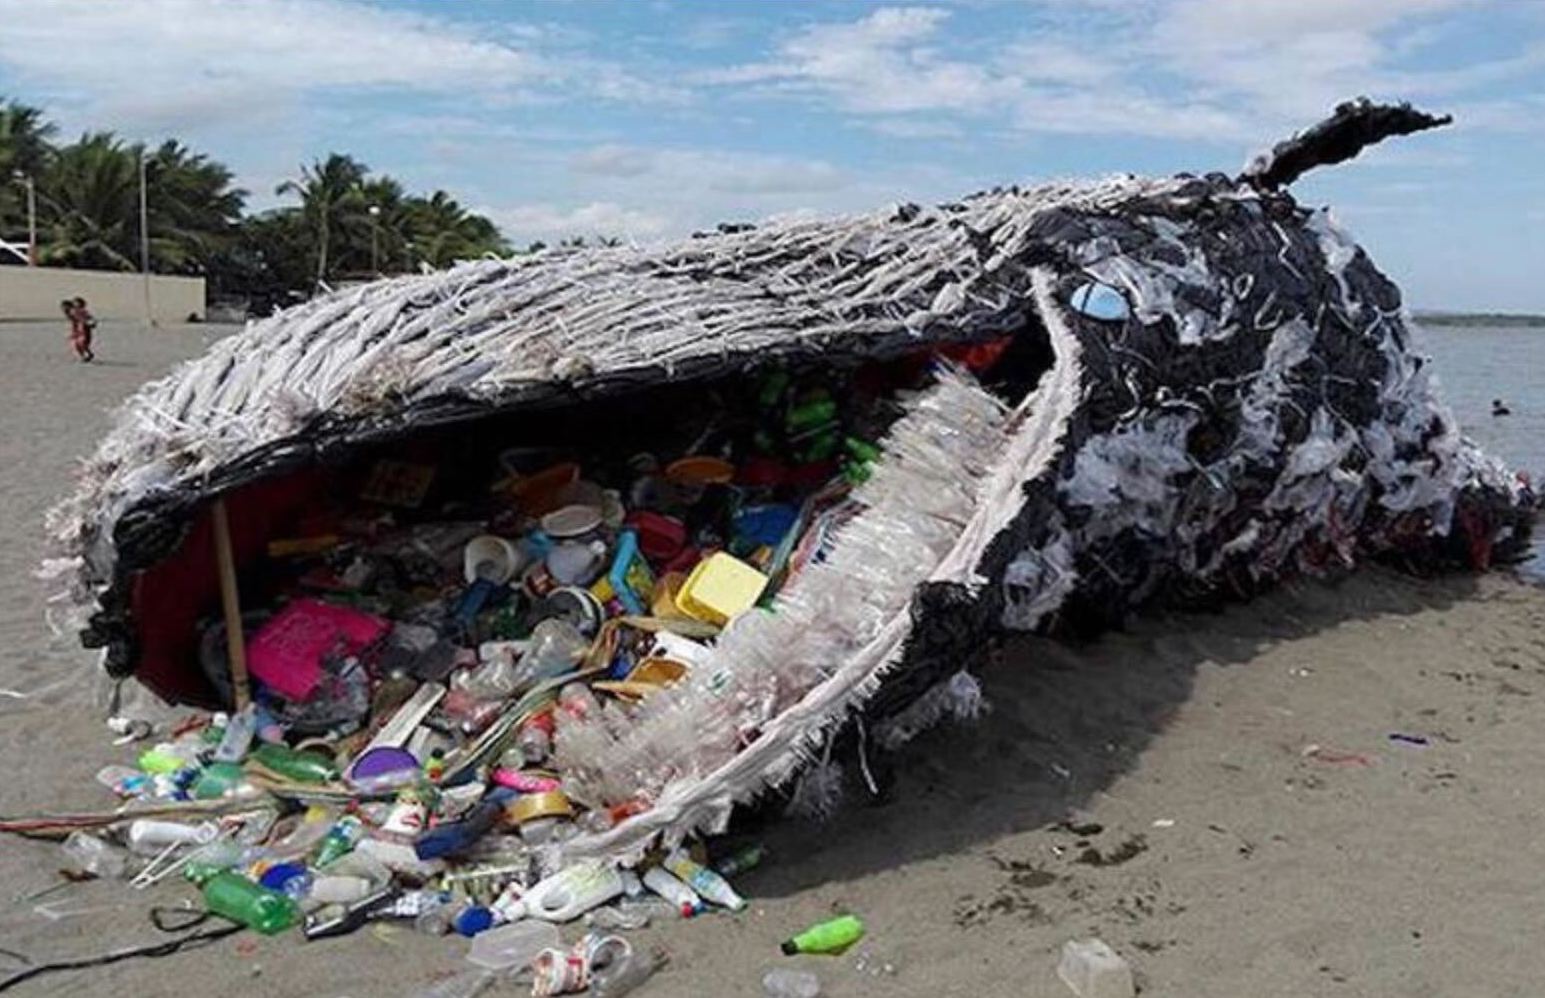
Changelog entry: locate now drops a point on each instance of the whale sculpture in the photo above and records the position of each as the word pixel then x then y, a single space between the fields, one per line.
pixel 1207 387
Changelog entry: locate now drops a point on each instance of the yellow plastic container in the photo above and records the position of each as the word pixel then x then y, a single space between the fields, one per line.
pixel 720 587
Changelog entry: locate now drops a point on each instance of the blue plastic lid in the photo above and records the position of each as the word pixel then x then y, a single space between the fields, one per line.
pixel 472 920
pixel 276 876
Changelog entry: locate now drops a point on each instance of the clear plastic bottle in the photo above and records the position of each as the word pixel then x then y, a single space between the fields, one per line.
pixel 535 743
pixel 556 647
pixel 682 897
pixel 239 731
pixel 85 854
pixel 706 882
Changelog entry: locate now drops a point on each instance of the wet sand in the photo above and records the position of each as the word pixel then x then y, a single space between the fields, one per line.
pixel 1159 788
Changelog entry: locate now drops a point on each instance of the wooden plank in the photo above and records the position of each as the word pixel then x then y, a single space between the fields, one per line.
pixel 230 602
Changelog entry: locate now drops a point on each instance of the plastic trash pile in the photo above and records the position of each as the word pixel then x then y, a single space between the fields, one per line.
pixel 428 693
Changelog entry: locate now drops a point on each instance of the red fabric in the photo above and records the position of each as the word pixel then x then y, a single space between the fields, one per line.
pixel 287 652
pixel 977 357
pixel 170 598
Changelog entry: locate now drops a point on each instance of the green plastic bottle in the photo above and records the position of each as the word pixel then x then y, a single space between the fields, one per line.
pixel 239 899
pixel 832 936
pixel 302 767
pixel 218 779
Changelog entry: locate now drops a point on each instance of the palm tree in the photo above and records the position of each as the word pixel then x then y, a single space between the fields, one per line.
pixel 24 150
pixel 194 211
pixel 443 231
pixel 384 238
pixel 331 200
pixel 89 203
pixel 89 198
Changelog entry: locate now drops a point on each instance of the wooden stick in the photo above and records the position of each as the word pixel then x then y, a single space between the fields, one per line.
pixel 230 602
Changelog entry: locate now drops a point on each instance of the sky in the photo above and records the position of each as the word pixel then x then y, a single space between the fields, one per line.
pixel 651 118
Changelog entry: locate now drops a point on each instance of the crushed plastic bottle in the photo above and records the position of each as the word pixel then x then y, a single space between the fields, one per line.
pixel 86 855
pixel 513 945
pixel 784 982
pixel 1094 970
pixel 617 969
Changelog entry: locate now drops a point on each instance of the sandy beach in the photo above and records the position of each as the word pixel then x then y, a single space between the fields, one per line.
pixel 1217 796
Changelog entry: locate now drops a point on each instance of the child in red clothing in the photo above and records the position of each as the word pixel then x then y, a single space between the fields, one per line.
pixel 82 325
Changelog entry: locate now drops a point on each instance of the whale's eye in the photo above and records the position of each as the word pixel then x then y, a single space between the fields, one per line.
pixel 1099 301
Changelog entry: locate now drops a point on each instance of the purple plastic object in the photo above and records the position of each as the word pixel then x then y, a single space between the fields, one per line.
pixel 381 762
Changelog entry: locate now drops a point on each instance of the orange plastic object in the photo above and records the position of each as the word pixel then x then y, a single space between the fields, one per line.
pixel 701 470
pixel 543 492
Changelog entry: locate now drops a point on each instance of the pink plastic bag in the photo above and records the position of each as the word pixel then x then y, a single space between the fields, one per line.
pixel 287 652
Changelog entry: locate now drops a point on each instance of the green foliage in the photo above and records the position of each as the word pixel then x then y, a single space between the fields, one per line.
pixel 89 205
pixel 24 152
pixel 349 224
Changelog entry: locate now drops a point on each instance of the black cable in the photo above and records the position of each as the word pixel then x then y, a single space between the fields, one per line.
pixel 157 949
pixel 160 917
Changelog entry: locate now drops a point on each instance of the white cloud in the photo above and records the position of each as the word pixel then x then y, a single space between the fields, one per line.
pixel 613 160
pixel 876 63
pixel 529 222
pixel 181 62
pixel 893 63
pixel 1231 70
pixel 639 194
pixel 711 170
pixel 1237 25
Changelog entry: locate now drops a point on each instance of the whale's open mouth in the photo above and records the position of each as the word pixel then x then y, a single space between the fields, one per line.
pixel 950 454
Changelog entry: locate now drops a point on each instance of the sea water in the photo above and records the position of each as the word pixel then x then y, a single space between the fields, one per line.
pixel 1475 364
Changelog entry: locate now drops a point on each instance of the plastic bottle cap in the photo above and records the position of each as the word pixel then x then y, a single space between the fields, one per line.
pixel 471 921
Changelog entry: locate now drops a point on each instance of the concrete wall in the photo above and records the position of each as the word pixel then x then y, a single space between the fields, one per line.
pixel 35 293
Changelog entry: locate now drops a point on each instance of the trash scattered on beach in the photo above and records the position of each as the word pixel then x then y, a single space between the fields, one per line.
pixel 1398 736
pixel 1094 970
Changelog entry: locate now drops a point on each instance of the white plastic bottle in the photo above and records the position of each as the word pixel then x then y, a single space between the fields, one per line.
pixel 147 837
pixel 660 880
pixel 703 880
pixel 570 892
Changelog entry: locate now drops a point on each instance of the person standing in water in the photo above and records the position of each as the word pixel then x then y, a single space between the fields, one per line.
pixel 1499 408
pixel 82 326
